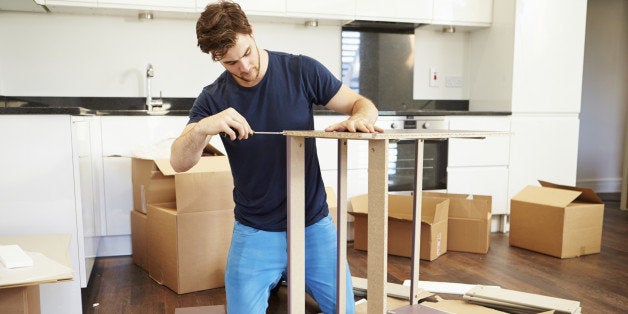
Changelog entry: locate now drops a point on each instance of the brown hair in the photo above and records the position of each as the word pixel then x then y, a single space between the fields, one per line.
pixel 218 27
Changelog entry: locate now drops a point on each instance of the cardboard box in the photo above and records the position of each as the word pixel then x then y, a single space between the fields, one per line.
pixel 557 220
pixel 19 291
pixel 208 185
pixel 20 300
pixel 139 239
pixel 434 213
pixel 188 251
pixel 469 227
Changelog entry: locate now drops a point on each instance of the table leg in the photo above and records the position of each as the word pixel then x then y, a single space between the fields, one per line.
pixel 296 223
pixel 416 222
pixel 377 226
pixel 341 258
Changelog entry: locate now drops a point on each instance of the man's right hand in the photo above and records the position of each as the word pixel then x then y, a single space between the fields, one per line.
pixel 229 122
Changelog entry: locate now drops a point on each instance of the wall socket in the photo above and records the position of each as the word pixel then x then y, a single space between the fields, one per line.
pixel 434 77
pixel 454 81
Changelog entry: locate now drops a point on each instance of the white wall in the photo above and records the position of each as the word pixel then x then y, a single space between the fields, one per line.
pixel 447 52
pixel 604 96
pixel 106 56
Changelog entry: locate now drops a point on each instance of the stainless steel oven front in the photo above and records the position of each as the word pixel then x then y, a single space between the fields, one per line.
pixel 401 154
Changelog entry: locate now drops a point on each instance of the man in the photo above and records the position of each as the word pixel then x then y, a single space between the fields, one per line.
pixel 267 91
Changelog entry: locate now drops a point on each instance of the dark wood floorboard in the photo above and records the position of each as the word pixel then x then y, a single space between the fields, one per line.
pixel 598 281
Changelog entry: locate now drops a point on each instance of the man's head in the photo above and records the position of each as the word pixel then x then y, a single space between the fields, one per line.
pixel 218 27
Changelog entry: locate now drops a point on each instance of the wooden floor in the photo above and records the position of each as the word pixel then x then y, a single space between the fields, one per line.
pixel 598 281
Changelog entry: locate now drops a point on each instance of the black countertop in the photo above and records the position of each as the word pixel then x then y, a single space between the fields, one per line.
pixel 133 106
pixel 80 111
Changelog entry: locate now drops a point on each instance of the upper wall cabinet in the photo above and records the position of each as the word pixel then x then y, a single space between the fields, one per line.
pixel 326 9
pixel 413 11
pixel 253 7
pixel 160 5
pixel 69 3
pixel 463 12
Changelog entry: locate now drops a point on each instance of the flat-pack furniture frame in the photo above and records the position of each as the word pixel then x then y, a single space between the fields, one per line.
pixel 377 209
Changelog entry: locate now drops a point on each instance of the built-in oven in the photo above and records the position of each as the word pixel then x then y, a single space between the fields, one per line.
pixel 401 155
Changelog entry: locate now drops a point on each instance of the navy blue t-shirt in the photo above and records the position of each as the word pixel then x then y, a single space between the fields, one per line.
pixel 283 100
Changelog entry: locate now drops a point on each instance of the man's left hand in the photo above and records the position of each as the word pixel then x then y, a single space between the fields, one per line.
pixel 355 124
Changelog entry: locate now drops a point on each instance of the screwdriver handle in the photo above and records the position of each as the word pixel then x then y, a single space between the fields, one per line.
pixel 223 134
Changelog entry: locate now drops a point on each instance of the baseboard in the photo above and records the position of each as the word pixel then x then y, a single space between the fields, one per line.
pixel 115 246
pixel 601 185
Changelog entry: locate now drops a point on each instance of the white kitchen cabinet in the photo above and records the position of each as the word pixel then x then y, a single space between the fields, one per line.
pixel 543 148
pixel 357 158
pixel 69 3
pixel 122 138
pixel 158 5
pixel 480 166
pixel 414 11
pixel 326 9
pixel 463 12
pixel 41 192
pixel 89 186
pixel 253 7
pixel 490 151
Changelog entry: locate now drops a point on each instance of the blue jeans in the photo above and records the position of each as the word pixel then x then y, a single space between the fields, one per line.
pixel 257 260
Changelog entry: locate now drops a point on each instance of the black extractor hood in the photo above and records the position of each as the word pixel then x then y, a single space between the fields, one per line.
pixel 381 27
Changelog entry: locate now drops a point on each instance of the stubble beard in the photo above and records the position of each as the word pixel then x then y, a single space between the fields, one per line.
pixel 255 69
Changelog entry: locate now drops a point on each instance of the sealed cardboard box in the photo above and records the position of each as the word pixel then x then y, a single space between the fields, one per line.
pixel 557 220
pixel 208 185
pixel 469 227
pixel 139 239
pixel 188 251
pixel 434 211
pixel 20 300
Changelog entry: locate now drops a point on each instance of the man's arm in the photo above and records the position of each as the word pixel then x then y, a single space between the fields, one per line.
pixel 187 148
pixel 362 112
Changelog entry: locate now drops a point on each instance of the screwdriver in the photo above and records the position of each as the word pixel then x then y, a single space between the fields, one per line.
pixel 223 134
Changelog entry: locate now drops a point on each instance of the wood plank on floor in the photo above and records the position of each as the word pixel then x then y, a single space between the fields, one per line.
pixel 598 281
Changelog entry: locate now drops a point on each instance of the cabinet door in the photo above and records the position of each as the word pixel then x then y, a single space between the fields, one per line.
pixel 72 3
pixel 463 12
pixel 419 11
pixel 490 151
pixel 160 5
pixel 481 181
pixel 324 8
pixel 123 137
pixel 118 195
pixel 253 7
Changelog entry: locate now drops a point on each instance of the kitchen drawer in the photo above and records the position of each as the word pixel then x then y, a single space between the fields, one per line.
pixel 490 151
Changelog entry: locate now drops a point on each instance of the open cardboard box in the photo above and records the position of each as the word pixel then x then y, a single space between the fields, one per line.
pixel 469 228
pixel 19 288
pixel 187 252
pixel 434 211
pixel 558 220
pixel 208 183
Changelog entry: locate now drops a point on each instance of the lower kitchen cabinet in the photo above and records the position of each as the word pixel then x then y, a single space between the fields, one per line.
pixel 481 166
pixel 124 137
pixel 47 187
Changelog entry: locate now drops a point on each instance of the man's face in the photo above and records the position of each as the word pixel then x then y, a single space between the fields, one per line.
pixel 242 60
